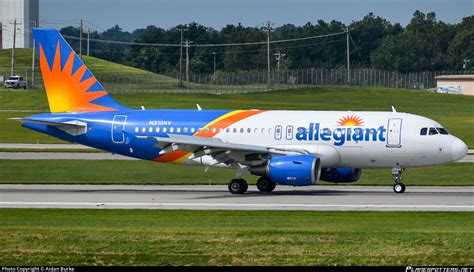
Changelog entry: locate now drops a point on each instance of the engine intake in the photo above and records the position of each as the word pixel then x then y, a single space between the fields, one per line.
pixel 300 170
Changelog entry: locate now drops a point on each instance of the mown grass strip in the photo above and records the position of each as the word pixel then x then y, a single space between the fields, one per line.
pixel 144 237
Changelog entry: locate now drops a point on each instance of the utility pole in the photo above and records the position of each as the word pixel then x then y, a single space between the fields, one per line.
pixel 88 40
pixel 348 58
pixel 268 29
pixel 187 59
pixel 181 57
pixel 278 57
pixel 80 41
pixel 13 47
pixel 214 74
pixel 36 23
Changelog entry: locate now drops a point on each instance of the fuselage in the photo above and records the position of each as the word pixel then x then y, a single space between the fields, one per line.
pixel 354 139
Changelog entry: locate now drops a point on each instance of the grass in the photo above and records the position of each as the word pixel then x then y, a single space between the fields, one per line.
pixel 100 66
pixel 454 112
pixel 142 237
pixel 145 172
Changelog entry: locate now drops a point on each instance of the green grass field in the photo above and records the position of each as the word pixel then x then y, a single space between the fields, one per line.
pixel 144 172
pixel 100 66
pixel 143 237
pixel 456 113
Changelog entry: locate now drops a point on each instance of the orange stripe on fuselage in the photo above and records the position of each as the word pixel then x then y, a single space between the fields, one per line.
pixel 223 122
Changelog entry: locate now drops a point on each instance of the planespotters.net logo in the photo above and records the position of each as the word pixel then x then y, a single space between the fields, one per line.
pixel 438 269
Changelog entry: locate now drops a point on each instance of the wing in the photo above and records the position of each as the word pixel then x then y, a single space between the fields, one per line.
pixel 222 152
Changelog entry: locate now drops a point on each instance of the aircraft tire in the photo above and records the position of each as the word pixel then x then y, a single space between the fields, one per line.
pixel 238 186
pixel 399 188
pixel 265 185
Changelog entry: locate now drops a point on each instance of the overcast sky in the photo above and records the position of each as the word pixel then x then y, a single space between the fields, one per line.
pixel 133 14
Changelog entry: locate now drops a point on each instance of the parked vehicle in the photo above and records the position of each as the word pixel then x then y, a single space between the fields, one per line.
pixel 16 82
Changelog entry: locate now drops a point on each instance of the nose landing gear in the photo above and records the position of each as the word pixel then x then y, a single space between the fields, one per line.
pixel 398 187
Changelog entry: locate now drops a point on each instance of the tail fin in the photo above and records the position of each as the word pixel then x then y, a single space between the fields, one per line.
pixel 70 86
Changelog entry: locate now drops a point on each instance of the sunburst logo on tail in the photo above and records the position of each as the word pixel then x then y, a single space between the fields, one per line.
pixel 68 91
pixel 350 121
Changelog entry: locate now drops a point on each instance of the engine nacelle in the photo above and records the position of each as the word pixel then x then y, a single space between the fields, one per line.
pixel 341 175
pixel 300 170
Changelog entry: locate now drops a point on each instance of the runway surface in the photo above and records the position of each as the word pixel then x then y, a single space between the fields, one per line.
pixel 201 197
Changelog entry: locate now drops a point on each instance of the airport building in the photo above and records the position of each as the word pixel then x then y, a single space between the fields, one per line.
pixel 457 84
pixel 26 15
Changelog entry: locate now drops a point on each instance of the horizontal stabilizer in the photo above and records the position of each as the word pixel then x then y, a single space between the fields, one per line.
pixel 71 127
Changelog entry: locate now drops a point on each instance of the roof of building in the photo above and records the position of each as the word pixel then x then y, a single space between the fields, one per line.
pixel 455 77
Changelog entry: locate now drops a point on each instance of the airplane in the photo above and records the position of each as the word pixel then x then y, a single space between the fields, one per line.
pixel 295 148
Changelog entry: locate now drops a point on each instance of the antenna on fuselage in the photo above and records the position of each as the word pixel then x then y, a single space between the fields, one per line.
pixel 199 107
pixel 393 109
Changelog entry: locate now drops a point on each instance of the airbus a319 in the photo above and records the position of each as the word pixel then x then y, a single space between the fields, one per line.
pixel 295 148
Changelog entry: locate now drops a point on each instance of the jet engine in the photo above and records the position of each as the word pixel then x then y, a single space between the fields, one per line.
pixel 300 170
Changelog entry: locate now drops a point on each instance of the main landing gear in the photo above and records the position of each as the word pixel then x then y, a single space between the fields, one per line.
pixel 265 185
pixel 240 186
pixel 398 187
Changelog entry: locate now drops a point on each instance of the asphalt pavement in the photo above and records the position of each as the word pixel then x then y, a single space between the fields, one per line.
pixel 217 197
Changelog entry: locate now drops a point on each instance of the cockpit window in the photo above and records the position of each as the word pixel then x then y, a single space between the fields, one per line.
pixel 433 131
pixel 423 131
pixel 442 131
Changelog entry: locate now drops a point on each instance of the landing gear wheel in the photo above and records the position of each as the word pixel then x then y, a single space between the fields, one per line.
pixel 238 186
pixel 399 188
pixel 265 185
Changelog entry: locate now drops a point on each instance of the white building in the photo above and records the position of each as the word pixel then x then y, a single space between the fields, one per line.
pixel 26 14
pixel 458 84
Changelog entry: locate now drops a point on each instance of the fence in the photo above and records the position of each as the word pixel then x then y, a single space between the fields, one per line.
pixel 251 81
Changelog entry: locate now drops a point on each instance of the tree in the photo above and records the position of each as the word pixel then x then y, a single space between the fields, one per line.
pixel 420 47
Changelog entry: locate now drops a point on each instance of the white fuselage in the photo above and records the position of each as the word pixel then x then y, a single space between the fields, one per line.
pixel 347 138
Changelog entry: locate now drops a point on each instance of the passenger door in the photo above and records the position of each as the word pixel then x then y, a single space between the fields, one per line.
pixel 394 133
pixel 118 128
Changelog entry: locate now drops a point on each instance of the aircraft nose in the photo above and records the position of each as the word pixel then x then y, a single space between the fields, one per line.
pixel 459 149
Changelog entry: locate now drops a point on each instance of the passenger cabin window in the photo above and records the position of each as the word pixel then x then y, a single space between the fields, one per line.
pixel 423 131
pixel 433 131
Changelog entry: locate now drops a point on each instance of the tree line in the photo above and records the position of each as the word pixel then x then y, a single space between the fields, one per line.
pixel 425 44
